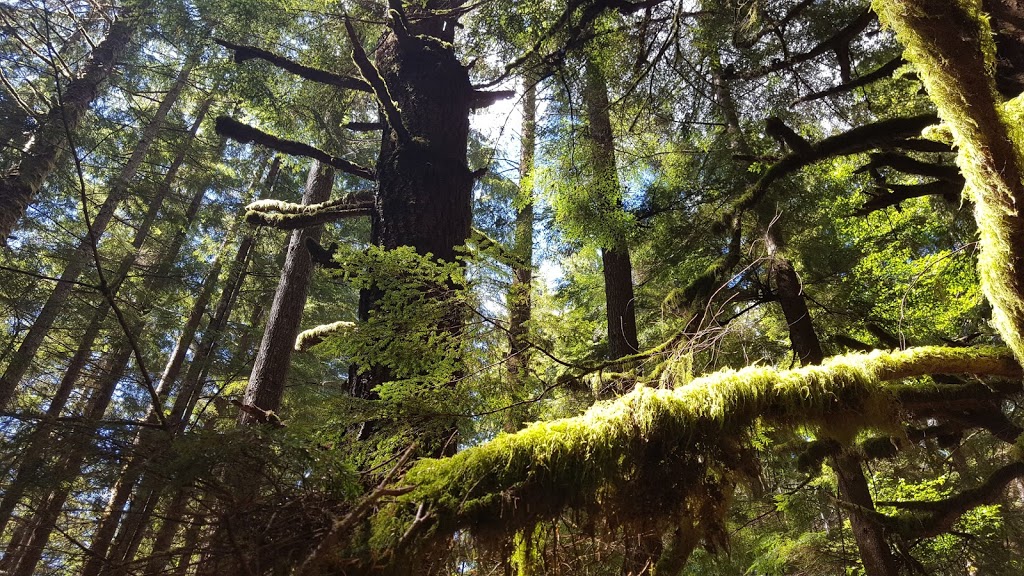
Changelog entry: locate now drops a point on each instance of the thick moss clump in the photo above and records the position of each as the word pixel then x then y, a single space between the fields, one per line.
pixel 654 454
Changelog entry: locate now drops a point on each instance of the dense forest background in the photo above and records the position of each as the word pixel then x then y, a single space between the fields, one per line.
pixel 538 287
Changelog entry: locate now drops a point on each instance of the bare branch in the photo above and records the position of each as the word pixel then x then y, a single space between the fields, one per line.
pixel 244 53
pixel 231 128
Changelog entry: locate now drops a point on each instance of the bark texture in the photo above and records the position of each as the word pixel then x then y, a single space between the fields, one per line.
pixel 266 383
pixel 50 141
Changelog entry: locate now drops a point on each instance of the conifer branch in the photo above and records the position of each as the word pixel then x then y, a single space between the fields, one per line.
pixel 380 88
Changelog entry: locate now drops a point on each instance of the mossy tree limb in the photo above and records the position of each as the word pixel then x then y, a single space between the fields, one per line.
pixel 679 445
pixel 951 44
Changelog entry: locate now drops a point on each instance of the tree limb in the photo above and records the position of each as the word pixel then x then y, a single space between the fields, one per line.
pixel 244 53
pixel 243 133
pixel 884 71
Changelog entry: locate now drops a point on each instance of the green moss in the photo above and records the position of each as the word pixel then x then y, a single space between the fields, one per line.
pixel 951 44
pixel 309 338
pixel 654 452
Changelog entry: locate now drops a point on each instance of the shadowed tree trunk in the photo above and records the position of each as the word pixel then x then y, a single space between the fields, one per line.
pixel 874 550
pixel 266 383
pixel 620 306
pixel 48 144
pixel 424 185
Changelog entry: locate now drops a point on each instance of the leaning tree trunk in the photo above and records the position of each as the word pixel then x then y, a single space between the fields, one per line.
pixel 35 452
pixel 145 490
pixel 51 139
pixel 22 359
pixel 266 383
pixel 519 297
pixel 620 309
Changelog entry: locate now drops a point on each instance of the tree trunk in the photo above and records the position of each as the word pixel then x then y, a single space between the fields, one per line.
pixel 19 186
pixel 266 383
pixel 519 298
pixel 875 553
pixel 620 308
pixel 22 359
pixel 145 492
pixel 424 185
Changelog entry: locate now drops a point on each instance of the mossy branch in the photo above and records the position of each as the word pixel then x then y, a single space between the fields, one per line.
pixel 244 134
pixel 289 216
pixel 950 42
pixel 310 338
pixel 929 519
pixel 683 438
pixel 244 53
pixel 380 88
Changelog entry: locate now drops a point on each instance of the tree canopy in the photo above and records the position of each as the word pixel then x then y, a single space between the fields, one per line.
pixel 563 287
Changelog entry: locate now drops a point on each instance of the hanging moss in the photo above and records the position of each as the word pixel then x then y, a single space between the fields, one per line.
pixel 654 452
pixel 950 42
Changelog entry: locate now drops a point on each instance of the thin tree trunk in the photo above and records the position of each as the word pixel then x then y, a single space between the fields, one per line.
pixel 22 359
pixel 19 185
pixel 267 380
pixel 147 491
pixel 620 307
pixel 519 297
pixel 24 561
pixel 875 553
pixel 36 447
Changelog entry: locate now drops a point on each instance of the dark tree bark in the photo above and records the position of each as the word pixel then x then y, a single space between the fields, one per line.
pixel 19 186
pixel 869 535
pixel 424 191
pixel 266 383
pixel 620 305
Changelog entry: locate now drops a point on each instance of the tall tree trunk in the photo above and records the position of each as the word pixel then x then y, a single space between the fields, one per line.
pixel 620 306
pixel 36 446
pixel 143 490
pixel 266 382
pixel 424 185
pixel 22 359
pixel 520 293
pixel 23 561
pixel 874 550
pixel 19 186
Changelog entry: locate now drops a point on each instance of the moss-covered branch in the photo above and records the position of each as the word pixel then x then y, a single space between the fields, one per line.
pixel 653 452
pixel 380 88
pixel 951 44
pixel 288 216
